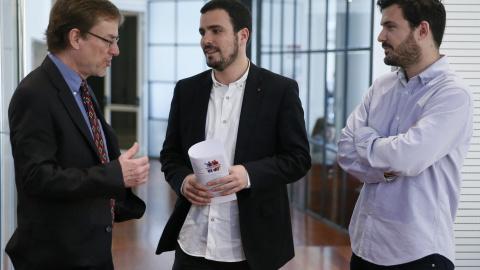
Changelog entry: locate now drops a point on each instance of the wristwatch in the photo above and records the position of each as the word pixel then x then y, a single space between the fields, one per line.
pixel 389 176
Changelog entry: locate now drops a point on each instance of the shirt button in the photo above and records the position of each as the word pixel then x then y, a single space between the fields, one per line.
pixel 212 219
pixel 224 121
pixel 369 216
pixel 371 192
pixel 398 118
pixel 108 229
pixel 406 92
pixel 240 86
pixel 227 97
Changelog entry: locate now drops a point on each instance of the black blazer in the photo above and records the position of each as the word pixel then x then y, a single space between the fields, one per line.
pixel 64 191
pixel 272 145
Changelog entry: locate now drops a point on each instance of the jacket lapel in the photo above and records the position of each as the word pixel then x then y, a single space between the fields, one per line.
pixel 68 100
pixel 200 108
pixel 252 101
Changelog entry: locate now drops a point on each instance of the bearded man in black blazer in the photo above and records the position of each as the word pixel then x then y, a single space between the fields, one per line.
pixel 67 183
pixel 259 118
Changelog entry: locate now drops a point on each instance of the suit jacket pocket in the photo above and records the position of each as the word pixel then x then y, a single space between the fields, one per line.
pixel 59 233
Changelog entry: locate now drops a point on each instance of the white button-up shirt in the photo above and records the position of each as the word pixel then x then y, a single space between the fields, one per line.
pixel 213 231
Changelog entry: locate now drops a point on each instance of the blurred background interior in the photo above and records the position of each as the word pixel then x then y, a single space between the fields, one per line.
pixel 328 46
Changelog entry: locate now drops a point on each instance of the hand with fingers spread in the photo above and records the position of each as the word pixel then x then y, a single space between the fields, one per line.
pixel 135 171
pixel 195 192
pixel 236 180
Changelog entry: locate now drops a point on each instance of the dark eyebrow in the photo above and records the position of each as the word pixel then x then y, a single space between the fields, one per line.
pixel 387 23
pixel 211 27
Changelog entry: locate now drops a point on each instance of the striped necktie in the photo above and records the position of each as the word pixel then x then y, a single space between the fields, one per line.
pixel 97 133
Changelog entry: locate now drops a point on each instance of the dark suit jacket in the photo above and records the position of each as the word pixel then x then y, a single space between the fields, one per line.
pixel 64 191
pixel 271 144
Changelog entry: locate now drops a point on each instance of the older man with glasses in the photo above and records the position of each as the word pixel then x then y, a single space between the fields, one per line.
pixel 71 180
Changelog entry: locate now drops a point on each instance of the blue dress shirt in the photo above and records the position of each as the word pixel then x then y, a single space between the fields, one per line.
pixel 419 130
pixel 74 81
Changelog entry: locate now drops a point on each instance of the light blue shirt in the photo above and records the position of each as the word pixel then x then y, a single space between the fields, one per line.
pixel 74 82
pixel 420 130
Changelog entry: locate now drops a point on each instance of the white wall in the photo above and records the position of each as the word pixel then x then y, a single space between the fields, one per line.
pixel 8 82
pixel 461 44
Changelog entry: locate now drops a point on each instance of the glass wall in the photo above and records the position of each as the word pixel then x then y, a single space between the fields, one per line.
pixel 326 46
pixel 174 54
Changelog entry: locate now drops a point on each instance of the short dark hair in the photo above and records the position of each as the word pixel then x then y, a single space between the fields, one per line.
pixel 239 14
pixel 81 14
pixel 416 11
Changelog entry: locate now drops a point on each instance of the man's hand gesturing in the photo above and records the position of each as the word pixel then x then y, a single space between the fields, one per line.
pixel 135 171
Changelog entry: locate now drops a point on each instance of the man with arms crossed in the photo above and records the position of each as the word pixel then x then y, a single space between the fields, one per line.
pixel 259 118
pixel 71 179
pixel 407 142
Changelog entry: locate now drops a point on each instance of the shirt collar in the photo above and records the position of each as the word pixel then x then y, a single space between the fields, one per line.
pixel 434 70
pixel 240 82
pixel 71 77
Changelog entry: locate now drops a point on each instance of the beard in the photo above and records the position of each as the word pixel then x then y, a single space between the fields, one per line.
pixel 407 54
pixel 223 62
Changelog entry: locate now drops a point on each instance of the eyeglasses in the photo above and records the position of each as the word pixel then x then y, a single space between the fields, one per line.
pixel 110 42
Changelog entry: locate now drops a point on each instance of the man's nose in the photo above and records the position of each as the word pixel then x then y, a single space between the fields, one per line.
pixel 114 49
pixel 382 37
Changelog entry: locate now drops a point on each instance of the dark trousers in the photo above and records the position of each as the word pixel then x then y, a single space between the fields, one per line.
pixel 434 261
pixel 184 261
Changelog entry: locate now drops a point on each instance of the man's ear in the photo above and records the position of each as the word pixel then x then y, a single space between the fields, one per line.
pixel 423 30
pixel 74 38
pixel 244 34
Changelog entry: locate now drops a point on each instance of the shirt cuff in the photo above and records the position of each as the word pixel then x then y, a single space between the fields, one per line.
pixel 249 185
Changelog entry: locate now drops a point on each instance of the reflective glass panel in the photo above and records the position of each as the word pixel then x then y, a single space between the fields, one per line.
pixel 161 63
pixel 288 65
pixel 358 78
pixel 266 61
pixel 160 98
pixel 276 25
pixel 288 25
pixel 190 61
pixel 188 21
pixel 302 33
pixel 266 25
pixel 336 25
pixel 301 76
pixel 317 89
pixel 276 63
pixel 318 24
pixel 162 22
pixel 359 23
